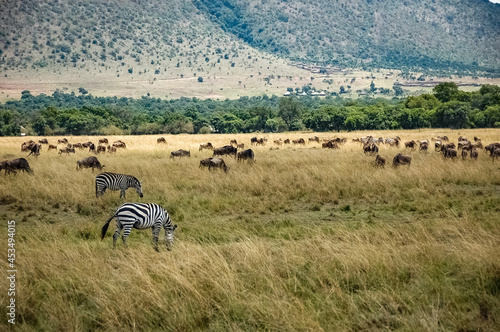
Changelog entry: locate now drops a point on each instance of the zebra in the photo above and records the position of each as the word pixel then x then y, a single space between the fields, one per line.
pixel 114 181
pixel 141 216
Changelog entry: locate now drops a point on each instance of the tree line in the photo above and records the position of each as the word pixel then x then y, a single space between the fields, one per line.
pixel 72 114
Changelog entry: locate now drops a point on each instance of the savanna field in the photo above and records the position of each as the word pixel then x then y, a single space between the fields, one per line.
pixel 304 239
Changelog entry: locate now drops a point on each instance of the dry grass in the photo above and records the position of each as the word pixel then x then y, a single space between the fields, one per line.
pixel 305 239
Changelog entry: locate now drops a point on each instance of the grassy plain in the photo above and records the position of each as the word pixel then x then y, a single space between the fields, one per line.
pixel 305 239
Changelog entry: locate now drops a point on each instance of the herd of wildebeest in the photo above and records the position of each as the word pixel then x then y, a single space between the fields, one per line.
pixel 370 145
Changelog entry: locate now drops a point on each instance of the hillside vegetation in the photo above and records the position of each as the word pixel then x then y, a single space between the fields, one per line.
pixel 170 38
pixel 303 239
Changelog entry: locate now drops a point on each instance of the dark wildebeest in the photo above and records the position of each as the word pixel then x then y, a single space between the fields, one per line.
pixel 400 159
pixel 380 161
pixel 370 148
pixel 62 141
pixel 299 141
pixel 66 150
pixel 103 141
pixel 205 162
pixel 101 148
pixel 161 140
pixel 35 149
pixel 261 141
pixel 78 145
pixel 92 147
pixel 450 153
pixel 330 145
pixel 227 149
pixel 87 144
pixel 52 147
pixel 111 149
pixel 473 154
pixel 234 142
pixel 445 147
pixel 424 146
pixel 218 163
pixel 90 162
pixel 287 141
pixel 246 155
pixel 410 145
pixel 206 146
pixel 465 154
pixel 491 147
pixel 119 144
pixel 253 140
pixel 180 153
pixel 43 141
pixel 11 166
pixel 495 154
pixel 25 147
pixel 314 139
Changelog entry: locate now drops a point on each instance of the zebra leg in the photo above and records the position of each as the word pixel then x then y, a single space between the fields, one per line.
pixel 125 235
pixel 119 229
pixel 156 235
pixel 122 193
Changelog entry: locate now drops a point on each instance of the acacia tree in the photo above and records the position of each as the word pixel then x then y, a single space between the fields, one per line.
pixel 290 110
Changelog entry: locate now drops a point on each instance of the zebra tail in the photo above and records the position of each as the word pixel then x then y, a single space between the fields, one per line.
pixel 105 227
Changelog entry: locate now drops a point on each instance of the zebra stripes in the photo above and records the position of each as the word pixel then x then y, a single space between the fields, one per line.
pixel 113 181
pixel 141 216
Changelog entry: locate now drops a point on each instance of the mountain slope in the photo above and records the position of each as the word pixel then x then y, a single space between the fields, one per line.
pixel 438 34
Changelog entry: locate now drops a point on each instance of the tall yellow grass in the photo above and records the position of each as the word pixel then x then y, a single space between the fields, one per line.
pixel 304 239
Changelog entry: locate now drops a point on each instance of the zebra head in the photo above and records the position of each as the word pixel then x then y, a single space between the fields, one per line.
pixel 169 237
pixel 138 187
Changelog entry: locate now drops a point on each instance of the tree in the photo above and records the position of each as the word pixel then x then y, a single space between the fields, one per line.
pixel 446 92
pixel 453 114
pixel 290 110
pixel 398 91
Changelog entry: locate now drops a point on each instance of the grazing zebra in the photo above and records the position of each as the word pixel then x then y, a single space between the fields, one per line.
pixel 114 181
pixel 141 216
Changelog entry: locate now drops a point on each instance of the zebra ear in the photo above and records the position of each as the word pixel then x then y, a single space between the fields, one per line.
pixel 175 226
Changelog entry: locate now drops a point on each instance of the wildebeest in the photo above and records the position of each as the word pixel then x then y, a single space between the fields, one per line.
pixel 87 144
pixel 101 148
pixel 370 148
pixel 90 162
pixel 400 159
pixel 299 141
pixel 52 147
pixel 180 153
pixel 92 147
pixel 111 149
pixel 286 141
pixel 66 150
pixel 62 141
pixel 450 153
pixel 314 139
pixel 161 140
pixel 393 141
pixel 217 163
pixel 330 145
pixel 234 142
pixel 19 164
pixel 380 161
pixel 119 144
pixel 278 142
pixel 206 146
pixel 78 145
pixel 473 154
pixel 103 141
pixel 25 147
pixel 495 154
pixel 227 149
pixel 491 147
pixel 34 149
pixel 253 140
pixel 424 146
pixel 240 146
pixel 465 153
pixel 410 145
pixel 43 141
pixel 246 155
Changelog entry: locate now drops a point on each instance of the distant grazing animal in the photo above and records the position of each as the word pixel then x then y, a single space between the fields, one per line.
pixel 205 162
pixel 278 142
pixel 491 147
pixel 233 142
pixel 103 141
pixel 286 141
pixel 465 154
pixel 52 147
pixel 206 146
pixel 473 154
pixel 450 153
pixel 34 149
pixel 299 141
pixel 370 148
pixel 180 153
pixel 246 155
pixel 400 159
pixel 240 146
pixel 141 216
pixel 62 141
pixel 314 139
pixel 495 154
pixel 261 141
pixel 92 148
pixel 410 145
pixel 330 145
pixel 424 146
pixel 90 162
pixel 111 149
pixel 26 145
pixel 19 164
pixel 66 150
pixel 380 161
pixel 101 148
pixel 43 141
pixel 78 145
pixel 437 145
pixel 113 181
pixel 225 150
pixel 119 144
pixel 218 163
pixel 393 141
pixel 87 144
pixel 161 140
pixel 253 140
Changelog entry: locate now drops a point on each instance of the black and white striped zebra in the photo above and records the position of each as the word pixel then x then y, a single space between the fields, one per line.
pixel 141 216
pixel 113 181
